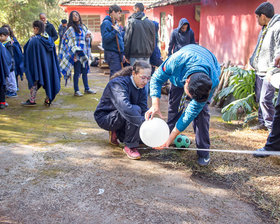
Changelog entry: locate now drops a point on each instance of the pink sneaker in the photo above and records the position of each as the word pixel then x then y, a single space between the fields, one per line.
pixel 132 153
pixel 113 139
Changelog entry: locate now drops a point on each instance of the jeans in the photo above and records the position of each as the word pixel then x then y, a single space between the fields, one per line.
pixel 78 69
pixel 11 83
pixel 264 95
pixel 114 61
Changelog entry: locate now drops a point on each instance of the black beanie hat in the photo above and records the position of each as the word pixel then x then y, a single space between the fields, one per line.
pixel 63 21
pixel 265 8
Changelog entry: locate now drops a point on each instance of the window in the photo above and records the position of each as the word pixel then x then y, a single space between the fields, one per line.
pixel 92 22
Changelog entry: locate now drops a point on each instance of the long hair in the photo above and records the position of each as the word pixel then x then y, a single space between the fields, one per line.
pixel 10 30
pixel 127 71
pixel 73 24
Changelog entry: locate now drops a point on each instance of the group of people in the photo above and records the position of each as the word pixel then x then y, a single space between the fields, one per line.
pixel 132 55
pixel 40 62
pixel 193 72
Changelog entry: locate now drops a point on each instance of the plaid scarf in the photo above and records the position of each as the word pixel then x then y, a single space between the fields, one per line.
pixel 74 44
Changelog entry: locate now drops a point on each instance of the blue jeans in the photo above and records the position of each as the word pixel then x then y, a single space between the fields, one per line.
pixel 114 61
pixel 79 69
pixel 264 96
pixel 11 83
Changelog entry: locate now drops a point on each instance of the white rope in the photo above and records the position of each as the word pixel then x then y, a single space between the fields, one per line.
pixel 269 153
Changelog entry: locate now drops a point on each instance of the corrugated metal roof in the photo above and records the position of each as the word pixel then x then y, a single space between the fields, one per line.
pixel 107 2
pixel 171 2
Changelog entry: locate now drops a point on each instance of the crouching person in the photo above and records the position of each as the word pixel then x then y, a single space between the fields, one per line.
pixel 123 105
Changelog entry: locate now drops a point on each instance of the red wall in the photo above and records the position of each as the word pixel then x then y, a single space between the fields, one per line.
pixel 99 10
pixel 188 12
pixel 229 29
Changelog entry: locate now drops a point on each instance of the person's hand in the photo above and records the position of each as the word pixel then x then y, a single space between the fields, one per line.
pixel 170 139
pixel 124 59
pixel 152 112
pixel 154 109
pixel 277 61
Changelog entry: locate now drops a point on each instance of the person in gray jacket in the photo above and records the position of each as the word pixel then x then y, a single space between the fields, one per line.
pixel 139 39
pixel 262 61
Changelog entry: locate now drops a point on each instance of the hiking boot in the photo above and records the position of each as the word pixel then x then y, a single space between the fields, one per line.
pixel 90 91
pixel 132 153
pixel 203 161
pixel 260 155
pixel 78 93
pixel 28 103
pixel 113 138
pixel 258 127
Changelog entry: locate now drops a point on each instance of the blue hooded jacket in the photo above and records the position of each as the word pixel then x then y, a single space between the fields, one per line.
pixel 108 33
pixel 5 62
pixel 177 68
pixel 179 39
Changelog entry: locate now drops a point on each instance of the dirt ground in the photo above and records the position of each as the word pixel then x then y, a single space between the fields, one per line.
pixel 56 166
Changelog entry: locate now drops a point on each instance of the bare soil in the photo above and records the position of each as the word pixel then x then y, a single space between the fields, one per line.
pixel 56 166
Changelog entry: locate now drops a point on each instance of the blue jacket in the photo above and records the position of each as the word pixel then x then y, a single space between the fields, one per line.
pixel 18 56
pixel 155 58
pixel 180 39
pixel 120 94
pixel 108 33
pixel 177 68
pixel 5 62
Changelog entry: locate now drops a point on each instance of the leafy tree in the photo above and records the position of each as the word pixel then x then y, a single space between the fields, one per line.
pixel 20 14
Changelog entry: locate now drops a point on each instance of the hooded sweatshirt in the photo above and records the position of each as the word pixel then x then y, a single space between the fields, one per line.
pixel 108 33
pixel 179 39
pixel 268 47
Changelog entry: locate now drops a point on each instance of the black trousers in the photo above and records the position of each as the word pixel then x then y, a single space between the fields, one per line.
pixel 127 132
pixel 200 123
pixel 273 140
pixel 2 93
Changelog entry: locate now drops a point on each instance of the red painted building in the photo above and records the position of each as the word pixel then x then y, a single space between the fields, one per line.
pixel 94 11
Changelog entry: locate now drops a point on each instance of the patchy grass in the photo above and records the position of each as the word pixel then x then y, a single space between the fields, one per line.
pixel 70 120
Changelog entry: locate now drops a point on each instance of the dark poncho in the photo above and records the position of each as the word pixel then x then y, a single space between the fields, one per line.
pixel 41 64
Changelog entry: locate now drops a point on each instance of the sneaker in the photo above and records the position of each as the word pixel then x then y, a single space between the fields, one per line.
pixel 113 139
pixel 132 153
pixel 260 155
pixel 6 104
pixel 47 102
pixel 90 91
pixel 28 103
pixel 78 93
pixel 258 127
pixel 203 161
pixel 11 95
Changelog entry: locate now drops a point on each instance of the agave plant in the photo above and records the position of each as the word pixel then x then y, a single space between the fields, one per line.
pixel 242 87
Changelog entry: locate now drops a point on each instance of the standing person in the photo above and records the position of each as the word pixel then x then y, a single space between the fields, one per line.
pixel 197 70
pixel 4 72
pixel 123 105
pixel 75 52
pixel 139 38
pixel 11 84
pixel 41 65
pixel 18 55
pixel 180 37
pixel 112 40
pixel 262 61
pixel 49 28
pixel 61 30
pixel 273 140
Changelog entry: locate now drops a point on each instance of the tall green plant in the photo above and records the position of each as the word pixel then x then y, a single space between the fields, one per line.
pixel 242 87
